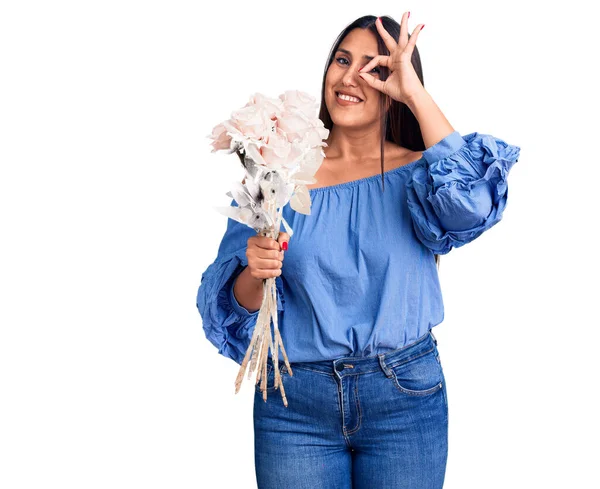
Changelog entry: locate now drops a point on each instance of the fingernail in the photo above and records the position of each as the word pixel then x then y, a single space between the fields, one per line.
pixel 284 245
pixel 422 27
pixel 408 15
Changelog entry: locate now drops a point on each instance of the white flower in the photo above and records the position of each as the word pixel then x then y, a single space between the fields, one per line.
pixel 275 134
pixel 300 101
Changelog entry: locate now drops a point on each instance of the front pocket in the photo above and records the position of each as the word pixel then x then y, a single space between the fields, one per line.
pixel 271 377
pixel 270 380
pixel 419 376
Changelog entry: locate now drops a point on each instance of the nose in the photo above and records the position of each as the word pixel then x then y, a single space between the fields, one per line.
pixel 350 78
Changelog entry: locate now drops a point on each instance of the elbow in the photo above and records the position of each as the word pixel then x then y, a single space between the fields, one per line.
pixel 460 210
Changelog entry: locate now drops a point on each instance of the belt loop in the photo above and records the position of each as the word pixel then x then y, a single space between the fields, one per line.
pixel 434 339
pixel 384 367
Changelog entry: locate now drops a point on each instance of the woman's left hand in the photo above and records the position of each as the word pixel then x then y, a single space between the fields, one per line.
pixel 403 83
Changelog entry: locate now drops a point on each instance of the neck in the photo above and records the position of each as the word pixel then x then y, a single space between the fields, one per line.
pixel 353 145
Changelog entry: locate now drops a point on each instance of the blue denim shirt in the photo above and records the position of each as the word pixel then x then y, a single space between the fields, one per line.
pixel 359 277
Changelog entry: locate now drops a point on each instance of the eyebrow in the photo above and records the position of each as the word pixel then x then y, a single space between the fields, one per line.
pixel 368 58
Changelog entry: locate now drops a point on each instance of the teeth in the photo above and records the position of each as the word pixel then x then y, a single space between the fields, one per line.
pixel 347 97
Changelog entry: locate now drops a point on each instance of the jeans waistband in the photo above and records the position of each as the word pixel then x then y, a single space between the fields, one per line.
pixel 358 365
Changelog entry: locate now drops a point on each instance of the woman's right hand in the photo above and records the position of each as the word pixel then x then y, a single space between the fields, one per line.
pixel 265 255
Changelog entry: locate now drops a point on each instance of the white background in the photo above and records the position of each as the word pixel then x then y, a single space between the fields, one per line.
pixel 107 183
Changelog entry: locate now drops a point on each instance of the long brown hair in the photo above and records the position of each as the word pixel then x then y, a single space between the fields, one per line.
pixel 398 123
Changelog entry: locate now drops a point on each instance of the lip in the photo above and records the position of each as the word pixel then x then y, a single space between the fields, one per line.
pixel 345 102
pixel 347 93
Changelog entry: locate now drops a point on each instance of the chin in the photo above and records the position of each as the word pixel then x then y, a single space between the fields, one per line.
pixel 347 121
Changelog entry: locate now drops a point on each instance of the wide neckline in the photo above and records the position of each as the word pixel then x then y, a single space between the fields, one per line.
pixel 354 183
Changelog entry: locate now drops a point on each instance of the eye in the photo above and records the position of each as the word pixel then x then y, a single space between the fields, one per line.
pixel 376 69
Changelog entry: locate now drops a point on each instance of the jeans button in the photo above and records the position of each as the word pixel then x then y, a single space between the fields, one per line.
pixel 339 367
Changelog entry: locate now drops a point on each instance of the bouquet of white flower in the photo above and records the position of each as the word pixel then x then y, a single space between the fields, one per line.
pixel 279 142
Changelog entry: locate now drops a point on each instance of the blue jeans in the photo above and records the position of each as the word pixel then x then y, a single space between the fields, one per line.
pixel 378 422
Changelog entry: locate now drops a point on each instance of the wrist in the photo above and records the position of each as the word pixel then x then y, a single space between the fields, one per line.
pixel 257 282
pixel 417 99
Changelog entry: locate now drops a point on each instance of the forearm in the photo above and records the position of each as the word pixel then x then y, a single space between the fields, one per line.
pixel 248 290
pixel 434 125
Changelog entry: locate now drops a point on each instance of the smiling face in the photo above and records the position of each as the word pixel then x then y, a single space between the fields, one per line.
pixel 342 75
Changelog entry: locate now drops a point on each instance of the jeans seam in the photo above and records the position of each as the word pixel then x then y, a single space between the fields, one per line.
pixel 410 359
pixel 312 370
pixel 410 392
pixel 357 410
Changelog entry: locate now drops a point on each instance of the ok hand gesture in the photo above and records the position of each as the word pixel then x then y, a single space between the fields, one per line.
pixel 403 83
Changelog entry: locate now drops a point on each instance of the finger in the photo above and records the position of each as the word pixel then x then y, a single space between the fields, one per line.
pixel 266 243
pixel 267 264
pixel 283 240
pixel 404 30
pixel 413 40
pixel 379 60
pixel 268 272
pixel 266 258
pixel 373 82
pixel 389 41
pixel 262 254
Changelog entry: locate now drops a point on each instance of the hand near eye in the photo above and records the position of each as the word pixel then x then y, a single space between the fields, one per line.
pixel 403 83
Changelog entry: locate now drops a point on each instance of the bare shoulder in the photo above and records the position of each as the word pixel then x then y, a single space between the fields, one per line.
pixel 399 156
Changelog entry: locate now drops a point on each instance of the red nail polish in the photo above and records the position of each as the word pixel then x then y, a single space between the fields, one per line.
pixel 284 245
pixel 408 16
pixel 422 27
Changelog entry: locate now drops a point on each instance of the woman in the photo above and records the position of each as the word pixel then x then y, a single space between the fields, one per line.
pixel 359 290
